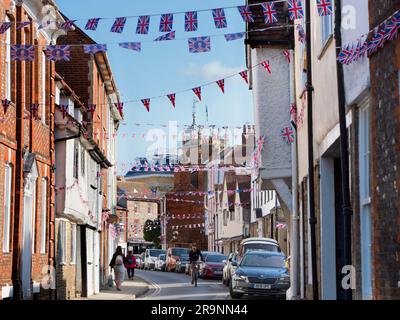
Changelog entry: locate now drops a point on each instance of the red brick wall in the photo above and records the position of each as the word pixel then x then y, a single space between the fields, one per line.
pixel 385 127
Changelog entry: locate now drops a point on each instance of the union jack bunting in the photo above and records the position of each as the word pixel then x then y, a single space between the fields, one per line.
pixel 92 24
pixel 288 135
pixel 197 92
pixel 391 28
pixel 363 48
pixel 20 52
pixel 171 98
pixel 286 53
pixel 324 7
pixel 243 74
pixel 191 22
pixel 295 8
pixel 135 46
pixel 269 12
pixel 21 25
pixel 4 27
pixel 34 110
pixel 378 41
pixel 165 37
pixel 94 48
pixel 234 36
pixel 58 53
pixel 6 104
pixel 146 103
pixel 219 18
pixel 92 109
pixel 119 24
pixel 143 25
pixel 345 55
pixel 166 22
pixel 221 85
pixel 67 25
pixel 266 66
pixel 64 110
pixel 120 107
pixel 246 13
pixel 199 44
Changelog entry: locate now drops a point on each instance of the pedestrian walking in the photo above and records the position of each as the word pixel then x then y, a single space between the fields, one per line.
pixel 117 264
pixel 130 265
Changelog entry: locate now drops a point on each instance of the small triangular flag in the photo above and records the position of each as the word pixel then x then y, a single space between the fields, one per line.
pixel 221 85
pixel 267 66
pixel 197 91
pixel 243 74
pixel 146 103
pixel 171 98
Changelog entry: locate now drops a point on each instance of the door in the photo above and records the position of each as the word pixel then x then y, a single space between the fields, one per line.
pixel 89 262
pixel 96 262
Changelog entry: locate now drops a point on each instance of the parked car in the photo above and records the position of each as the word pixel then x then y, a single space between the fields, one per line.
pixel 257 244
pixel 213 266
pixel 138 260
pixel 181 263
pixel 260 273
pixel 204 254
pixel 160 262
pixel 150 258
pixel 229 269
pixel 173 255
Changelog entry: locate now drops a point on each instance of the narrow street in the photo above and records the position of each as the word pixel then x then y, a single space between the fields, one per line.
pixel 176 286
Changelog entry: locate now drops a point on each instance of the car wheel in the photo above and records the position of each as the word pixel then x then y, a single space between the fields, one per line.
pixel 233 294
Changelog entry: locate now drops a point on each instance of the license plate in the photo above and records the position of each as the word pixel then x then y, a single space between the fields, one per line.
pixel 261 286
pixel 217 272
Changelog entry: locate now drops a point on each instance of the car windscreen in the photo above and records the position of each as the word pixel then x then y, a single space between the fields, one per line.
pixel 162 257
pixel 185 257
pixel 263 261
pixel 156 253
pixel 261 247
pixel 215 258
pixel 180 251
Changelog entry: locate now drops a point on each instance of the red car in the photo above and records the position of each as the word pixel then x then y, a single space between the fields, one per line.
pixel 213 266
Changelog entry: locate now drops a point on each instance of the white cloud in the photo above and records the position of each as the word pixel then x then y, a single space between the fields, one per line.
pixel 210 71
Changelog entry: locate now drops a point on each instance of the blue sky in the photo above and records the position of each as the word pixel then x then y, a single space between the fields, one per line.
pixel 167 67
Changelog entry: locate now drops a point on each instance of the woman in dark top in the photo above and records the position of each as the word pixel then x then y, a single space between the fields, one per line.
pixel 117 264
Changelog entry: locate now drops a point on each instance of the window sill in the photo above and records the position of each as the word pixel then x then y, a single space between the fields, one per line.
pixel 325 46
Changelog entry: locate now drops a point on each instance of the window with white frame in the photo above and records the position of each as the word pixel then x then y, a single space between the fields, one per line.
pixel 43 87
pixel 327 27
pixel 44 217
pixel 62 245
pixel 7 208
pixel 73 243
pixel 8 62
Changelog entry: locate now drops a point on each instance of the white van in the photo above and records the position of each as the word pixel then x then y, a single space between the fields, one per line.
pixel 150 258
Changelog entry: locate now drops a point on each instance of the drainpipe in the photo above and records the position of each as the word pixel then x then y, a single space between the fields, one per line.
pixel 311 195
pixel 346 211
pixel 294 236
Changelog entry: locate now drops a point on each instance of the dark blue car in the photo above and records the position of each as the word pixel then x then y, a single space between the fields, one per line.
pixel 260 273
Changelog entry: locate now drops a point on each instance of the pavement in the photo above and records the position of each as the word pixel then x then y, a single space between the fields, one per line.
pixel 130 290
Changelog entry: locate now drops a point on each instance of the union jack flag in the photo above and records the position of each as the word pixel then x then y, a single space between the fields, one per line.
pixel 67 25
pixel 234 36
pixel 288 135
pixel 4 27
pixel 166 22
pixel 171 98
pixel 295 8
pixel 120 107
pixel 391 28
pixel 6 104
pixel 119 24
pixel 266 66
pixel 191 22
pixel 143 25
pixel 221 85
pixel 58 53
pixel 363 48
pixel 21 25
pixel 269 12
pixel 219 18
pixel 246 13
pixel 92 24
pixel 168 36
pixel 92 109
pixel 378 41
pixel 199 44
pixel 34 110
pixel 345 55
pixel 135 46
pixel 324 7
pixel 64 110
pixel 146 103
pixel 20 52
pixel 197 92
pixel 94 48
pixel 243 74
